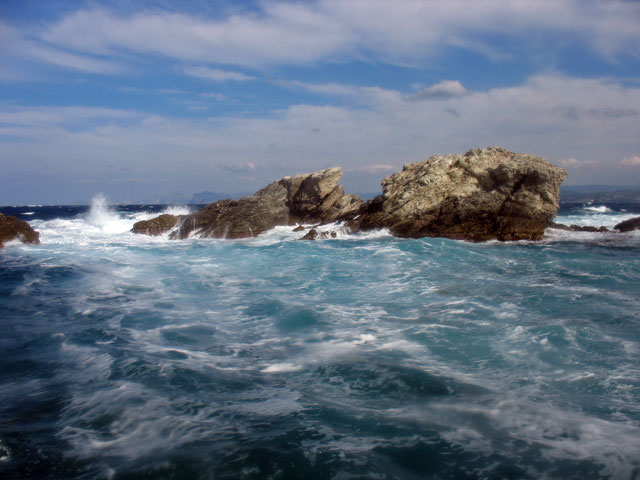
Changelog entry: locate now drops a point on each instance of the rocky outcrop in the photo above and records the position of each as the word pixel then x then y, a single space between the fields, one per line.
pixel 307 198
pixel 12 228
pixel 628 225
pixel 156 226
pixel 484 194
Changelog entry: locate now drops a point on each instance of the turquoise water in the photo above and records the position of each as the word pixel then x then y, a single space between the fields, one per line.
pixel 127 356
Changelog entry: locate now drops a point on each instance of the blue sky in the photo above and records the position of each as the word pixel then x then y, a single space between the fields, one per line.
pixel 142 99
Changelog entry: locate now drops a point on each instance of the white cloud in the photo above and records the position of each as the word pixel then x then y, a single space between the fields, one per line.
pixel 202 154
pixel 633 161
pixel 216 74
pixel 575 163
pixel 379 168
pixel 285 33
pixel 24 49
pixel 440 91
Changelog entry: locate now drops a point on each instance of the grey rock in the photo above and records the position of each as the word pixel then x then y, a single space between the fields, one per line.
pixel 307 198
pixel 484 194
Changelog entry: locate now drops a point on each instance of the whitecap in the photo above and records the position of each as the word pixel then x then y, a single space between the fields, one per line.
pixel 282 368
pixel 599 209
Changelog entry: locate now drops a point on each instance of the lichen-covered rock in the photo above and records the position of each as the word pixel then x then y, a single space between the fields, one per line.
pixel 307 198
pixel 12 228
pixel 156 226
pixel 628 225
pixel 484 194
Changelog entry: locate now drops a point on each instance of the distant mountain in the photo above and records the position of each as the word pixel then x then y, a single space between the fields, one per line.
pixel 600 194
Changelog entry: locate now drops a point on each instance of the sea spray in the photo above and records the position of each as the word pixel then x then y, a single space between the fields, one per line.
pixel 105 218
pixel 361 356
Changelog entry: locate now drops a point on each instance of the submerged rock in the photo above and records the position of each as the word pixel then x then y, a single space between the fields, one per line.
pixel 156 226
pixel 12 228
pixel 484 194
pixel 628 225
pixel 313 234
pixel 307 198
pixel 578 228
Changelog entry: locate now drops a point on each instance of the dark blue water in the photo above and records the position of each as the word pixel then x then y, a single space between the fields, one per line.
pixel 127 356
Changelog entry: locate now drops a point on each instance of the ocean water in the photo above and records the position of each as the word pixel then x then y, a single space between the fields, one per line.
pixel 360 357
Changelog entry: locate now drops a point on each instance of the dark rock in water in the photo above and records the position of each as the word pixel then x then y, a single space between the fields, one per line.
pixel 12 228
pixel 308 198
pixel 628 225
pixel 578 228
pixel 484 194
pixel 311 235
pixel 299 228
pixel 157 225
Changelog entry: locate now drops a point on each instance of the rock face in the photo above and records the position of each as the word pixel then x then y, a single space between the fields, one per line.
pixel 484 194
pixel 156 226
pixel 628 225
pixel 312 197
pixel 11 228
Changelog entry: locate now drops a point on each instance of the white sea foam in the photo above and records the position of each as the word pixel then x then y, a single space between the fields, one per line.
pixel 599 209
pixel 282 368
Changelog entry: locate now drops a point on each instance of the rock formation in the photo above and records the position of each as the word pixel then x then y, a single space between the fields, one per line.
pixel 628 225
pixel 312 197
pixel 158 225
pixel 11 229
pixel 484 194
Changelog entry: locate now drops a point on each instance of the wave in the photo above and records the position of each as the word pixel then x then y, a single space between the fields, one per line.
pixel 599 209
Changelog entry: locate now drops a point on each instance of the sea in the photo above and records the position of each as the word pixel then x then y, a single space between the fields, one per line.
pixel 365 356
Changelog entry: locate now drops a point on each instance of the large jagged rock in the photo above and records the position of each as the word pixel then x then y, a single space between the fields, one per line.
pixel 158 225
pixel 484 194
pixel 12 228
pixel 307 198
pixel 629 225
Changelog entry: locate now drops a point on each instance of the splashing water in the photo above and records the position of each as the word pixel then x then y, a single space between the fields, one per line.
pixel 104 218
pixel 365 356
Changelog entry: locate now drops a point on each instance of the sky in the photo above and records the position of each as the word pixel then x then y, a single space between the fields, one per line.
pixel 148 99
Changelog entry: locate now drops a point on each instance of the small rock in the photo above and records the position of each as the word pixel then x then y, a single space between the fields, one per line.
pixel 578 228
pixel 628 225
pixel 12 228
pixel 156 226
pixel 311 235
